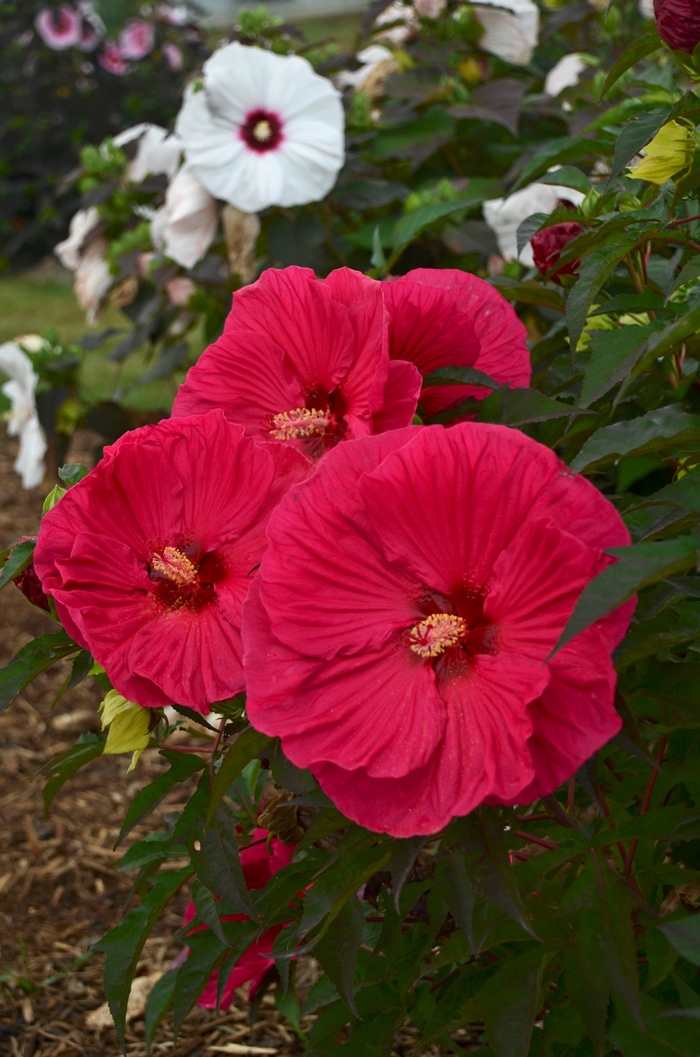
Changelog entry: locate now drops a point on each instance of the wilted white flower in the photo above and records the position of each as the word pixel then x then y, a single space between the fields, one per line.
pixel 377 64
pixel 24 421
pixel 185 226
pixel 157 151
pixel 565 74
pixel 265 130
pixel 241 232
pixel 92 278
pixel 505 215
pixel 511 29
pixel 430 8
pixel 405 17
pixel 82 227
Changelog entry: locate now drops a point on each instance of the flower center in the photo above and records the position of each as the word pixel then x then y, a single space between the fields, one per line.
pixel 261 130
pixel 301 422
pixel 434 634
pixel 174 565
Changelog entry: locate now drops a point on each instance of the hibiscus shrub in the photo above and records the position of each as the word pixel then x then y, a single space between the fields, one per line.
pixel 418 548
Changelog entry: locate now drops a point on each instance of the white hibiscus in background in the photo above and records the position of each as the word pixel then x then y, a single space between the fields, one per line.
pixel 263 130
pixel 23 419
pixel 377 62
pixel 184 228
pixel 83 226
pixel 511 29
pixel 157 152
pixel 566 73
pixel 403 15
pixel 84 254
pixel 505 215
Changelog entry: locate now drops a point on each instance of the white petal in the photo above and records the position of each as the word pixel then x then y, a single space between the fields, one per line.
pixel 18 367
pixel 81 227
pixel 565 74
pixel 29 463
pixel 512 28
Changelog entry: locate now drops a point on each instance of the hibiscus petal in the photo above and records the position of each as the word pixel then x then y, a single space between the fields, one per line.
pixel 400 398
pixel 428 328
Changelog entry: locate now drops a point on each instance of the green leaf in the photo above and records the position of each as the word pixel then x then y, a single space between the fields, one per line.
pixel 19 559
pixel 605 930
pixel 124 943
pixel 636 134
pixel 588 990
pixel 515 407
pixel 207 953
pixel 62 767
pixel 30 661
pixel 182 766
pixel 337 950
pixel 640 47
pixel 247 746
pixel 558 152
pixel 413 223
pixel 656 1037
pixel 662 430
pixel 403 857
pixel 378 258
pixel 567 176
pixel 341 878
pixel 218 865
pixel 80 669
pixel 72 472
pixel 459 376
pixel 529 293
pixel 207 909
pixel 594 272
pixel 511 1000
pixel 149 849
pixel 637 567
pixel 158 1004
pixel 613 355
pixel 689 271
pixel 684 937
pixel 457 890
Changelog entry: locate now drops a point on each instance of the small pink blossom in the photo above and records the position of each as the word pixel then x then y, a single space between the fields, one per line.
pixel 173 56
pixel 112 60
pixel 136 40
pixel 430 8
pixel 180 290
pixel 59 27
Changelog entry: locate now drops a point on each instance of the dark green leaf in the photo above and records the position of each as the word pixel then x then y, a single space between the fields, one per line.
pixel 689 271
pixel 684 937
pixel 207 909
pixel 158 1004
pixel 567 176
pixel 206 954
pixel 62 767
pixel 30 661
pixel 656 1037
pixel 182 766
pixel 342 877
pixel 72 472
pixel 515 407
pixel 594 272
pixel 413 223
pixel 123 944
pixel 218 863
pixel 80 669
pixel 529 293
pixel 19 559
pixel 636 134
pixel 639 48
pixel 152 847
pixel 337 950
pixel 247 746
pixel 605 931
pixel 613 355
pixel 403 856
pixel 636 567
pixel 459 376
pixel 588 990
pixel 170 360
pixel 457 890
pixel 510 1002
pixel 664 429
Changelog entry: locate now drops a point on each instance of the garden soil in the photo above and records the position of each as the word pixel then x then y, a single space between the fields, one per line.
pixel 60 889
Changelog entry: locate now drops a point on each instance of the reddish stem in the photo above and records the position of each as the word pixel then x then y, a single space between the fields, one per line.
pixel 685 220
pixel 646 801
pixel 542 841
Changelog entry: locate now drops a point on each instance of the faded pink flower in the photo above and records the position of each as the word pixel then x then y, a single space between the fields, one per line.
pixel 173 56
pixel 136 40
pixel 59 27
pixel 112 60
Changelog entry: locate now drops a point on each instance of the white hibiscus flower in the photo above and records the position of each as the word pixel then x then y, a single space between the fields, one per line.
pixel 264 129
pixel 83 227
pixel 565 74
pixel 511 29
pixel 185 226
pixel 157 151
pixel 23 420
pixel 505 215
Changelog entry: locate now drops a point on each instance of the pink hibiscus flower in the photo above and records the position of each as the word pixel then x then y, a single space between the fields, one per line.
pixel 112 60
pixel 441 317
pixel 136 40
pixel 59 27
pixel 259 865
pixel 397 636
pixel 150 556
pixel 305 360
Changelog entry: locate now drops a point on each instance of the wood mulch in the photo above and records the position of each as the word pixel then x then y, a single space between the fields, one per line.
pixel 59 886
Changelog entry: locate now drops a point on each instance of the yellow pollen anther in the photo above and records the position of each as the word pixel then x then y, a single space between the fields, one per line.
pixel 262 131
pixel 436 633
pixel 175 565
pixel 301 422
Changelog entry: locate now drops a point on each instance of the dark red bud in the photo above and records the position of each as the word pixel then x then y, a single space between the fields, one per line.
pixel 678 23
pixel 30 585
pixel 548 244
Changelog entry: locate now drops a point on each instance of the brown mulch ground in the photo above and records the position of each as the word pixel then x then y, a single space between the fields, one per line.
pixel 59 886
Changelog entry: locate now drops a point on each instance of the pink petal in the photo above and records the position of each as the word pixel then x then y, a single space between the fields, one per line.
pixel 401 393
pixel 428 327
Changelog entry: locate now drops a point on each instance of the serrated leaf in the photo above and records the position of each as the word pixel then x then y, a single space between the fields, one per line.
pixel 457 890
pixel 459 376
pixel 684 937
pixel 62 767
pixel 158 1004
pixel 613 355
pixel 403 856
pixel 247 746
pixel 339 881
pixel 663 429
pixel 588 990
pixel 182 766
pixel 218 865
pixel 206 953
pixel 516 407
pixel 207 909
pixel 605 930
pixel 124 943
pixel 636 567
pixel 20 558
pixel 640 47
pixel 337 950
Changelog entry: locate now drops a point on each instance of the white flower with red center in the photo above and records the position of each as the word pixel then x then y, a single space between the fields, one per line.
pixel 263 130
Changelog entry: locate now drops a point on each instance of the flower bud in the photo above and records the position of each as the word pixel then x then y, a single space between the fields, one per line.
pixel 678 23
pixel 30 585
pixel 547 246
pixel 670 151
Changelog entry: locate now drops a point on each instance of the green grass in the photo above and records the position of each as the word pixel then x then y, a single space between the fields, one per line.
pixel 32 305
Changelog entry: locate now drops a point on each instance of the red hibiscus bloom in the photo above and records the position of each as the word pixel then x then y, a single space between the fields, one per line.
pixel 678 23
pixel 150 556
pixel 441 317
pixel 548 244
pixel 397 636
pixel 259 865
pixel 304 360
